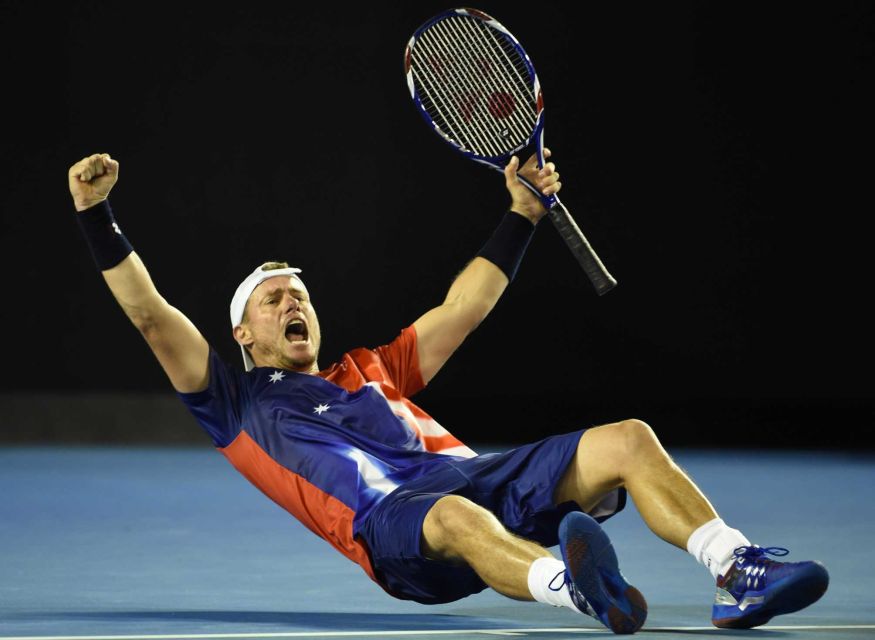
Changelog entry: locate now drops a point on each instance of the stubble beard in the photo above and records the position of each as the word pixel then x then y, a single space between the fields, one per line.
pixel 277 355
pixel 303 365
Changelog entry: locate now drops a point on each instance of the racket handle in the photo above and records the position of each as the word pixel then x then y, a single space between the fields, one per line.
pixel 580 247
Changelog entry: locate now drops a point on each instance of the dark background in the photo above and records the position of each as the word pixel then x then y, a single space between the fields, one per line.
pixel 719 157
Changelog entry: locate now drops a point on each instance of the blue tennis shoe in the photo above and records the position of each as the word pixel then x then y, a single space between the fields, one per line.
pixel 593 576
pixel 757 588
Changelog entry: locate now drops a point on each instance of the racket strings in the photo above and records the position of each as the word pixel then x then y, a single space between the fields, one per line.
pixel 472 65
pixel 468 92
pixel 440 99
pixel 458 95
pixel 515 70
pixel 478 47
pixel 475 85
pixel 513 74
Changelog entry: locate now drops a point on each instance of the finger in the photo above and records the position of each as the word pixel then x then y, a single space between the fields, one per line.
pixel 97 166
pixel 85 168
pixel 552 189
pixel 110 165
pixel 546 181
pixel 548 174
pixel 90 167
pixel 76 170
pixel 547 152
pixel 93 162
pixel 510 169
pixel 548 169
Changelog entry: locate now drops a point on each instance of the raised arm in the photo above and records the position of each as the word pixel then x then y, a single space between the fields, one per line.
pixel 180 348
pixel 478 287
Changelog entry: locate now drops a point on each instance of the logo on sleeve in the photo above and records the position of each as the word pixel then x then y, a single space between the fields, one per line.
pixel 276 376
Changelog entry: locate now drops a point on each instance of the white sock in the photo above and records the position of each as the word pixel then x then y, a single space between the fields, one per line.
pixel 546 573
pixel 712 545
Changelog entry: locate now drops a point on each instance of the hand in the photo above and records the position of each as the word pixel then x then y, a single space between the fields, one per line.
pixel 546 180
pixel 91 179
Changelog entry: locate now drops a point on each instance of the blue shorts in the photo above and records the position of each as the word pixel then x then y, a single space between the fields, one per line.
pixel 517 486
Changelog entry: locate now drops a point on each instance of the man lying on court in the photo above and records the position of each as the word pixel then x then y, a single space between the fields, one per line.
pixel 345 451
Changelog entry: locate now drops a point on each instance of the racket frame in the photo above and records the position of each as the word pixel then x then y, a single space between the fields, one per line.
pixel 497 162
pixel 558 213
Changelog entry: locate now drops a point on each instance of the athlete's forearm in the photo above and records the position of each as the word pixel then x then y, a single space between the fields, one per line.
pixel 473 294
pixel 476 290
pixel 124 272
pixel 132 286
pixel 482 282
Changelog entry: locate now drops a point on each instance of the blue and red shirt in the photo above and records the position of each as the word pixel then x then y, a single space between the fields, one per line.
pixel 327 447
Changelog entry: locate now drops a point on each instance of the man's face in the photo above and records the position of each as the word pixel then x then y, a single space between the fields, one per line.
pixel 280 326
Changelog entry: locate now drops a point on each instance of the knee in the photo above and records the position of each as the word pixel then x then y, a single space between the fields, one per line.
pixel 455 515
pixel 451 523
pixel 607 456
pixel 636 438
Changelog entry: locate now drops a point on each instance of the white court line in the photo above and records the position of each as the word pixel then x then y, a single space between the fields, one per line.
pixel 428 632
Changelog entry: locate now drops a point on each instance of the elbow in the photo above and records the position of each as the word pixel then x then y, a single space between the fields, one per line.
pixel 465 314
pixel 146 313
pixel 144 318
pixel 145 324
pixel 475 314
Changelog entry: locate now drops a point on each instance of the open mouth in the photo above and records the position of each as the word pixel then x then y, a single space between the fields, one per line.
pixel 296 331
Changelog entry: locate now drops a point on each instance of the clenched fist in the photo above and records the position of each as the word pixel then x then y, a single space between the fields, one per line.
pixel 91 179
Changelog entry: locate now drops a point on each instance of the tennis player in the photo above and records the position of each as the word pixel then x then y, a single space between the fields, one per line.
pixel 345 451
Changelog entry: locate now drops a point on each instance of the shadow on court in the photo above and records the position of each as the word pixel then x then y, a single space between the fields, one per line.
pixel 293 620
pixel 329 623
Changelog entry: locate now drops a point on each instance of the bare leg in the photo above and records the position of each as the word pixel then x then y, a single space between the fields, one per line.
pixel 629 454
pixel 621 454
pixel 457 529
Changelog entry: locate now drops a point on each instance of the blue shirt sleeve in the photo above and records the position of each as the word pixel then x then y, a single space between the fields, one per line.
pixel 219 408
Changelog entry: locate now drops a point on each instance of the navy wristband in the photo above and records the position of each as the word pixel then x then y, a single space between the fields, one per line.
pixel 508 243
pixel 107 243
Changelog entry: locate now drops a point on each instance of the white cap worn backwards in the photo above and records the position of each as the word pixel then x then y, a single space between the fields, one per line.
pixel 241 296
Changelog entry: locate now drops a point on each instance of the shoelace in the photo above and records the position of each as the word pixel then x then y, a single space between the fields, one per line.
pixel 756 570
pixel 755 551
pixel 565 581
pixel 576 597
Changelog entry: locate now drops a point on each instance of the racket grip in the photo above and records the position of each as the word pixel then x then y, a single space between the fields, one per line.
pixel 580 247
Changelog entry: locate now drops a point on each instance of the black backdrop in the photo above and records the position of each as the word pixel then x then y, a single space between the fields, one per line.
pixel 719 156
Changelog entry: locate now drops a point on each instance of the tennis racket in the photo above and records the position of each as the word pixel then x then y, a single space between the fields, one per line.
pixel 475 85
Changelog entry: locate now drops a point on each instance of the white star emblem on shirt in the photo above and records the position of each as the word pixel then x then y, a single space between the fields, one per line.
pixel 276 376
pixel 322 408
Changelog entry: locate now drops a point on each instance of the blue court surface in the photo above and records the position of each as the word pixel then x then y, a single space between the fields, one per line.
pixel 173 543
